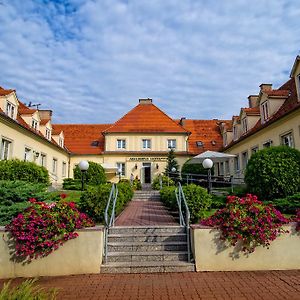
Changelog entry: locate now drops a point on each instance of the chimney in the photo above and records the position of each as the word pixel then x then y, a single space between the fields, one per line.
pixel 145 101
pixel 182 121
pixel 265 87
pixel 45 114
pixel 253 101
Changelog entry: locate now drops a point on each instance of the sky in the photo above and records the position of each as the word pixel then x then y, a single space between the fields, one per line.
pixel 91 60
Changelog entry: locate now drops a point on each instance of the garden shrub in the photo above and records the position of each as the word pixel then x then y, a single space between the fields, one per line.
pixel 297 220
pixel 246 223
pixel 198 201
pixel 218 201
pixel 19 191
pixel 72 184
pixel 8 212
pixel 93 176
pixel 287 205
pixel 136 184
pixel 23 170
pixel 274 172
pixel 42 228
pixel 194 169
pixel 125 194
pixel 166 181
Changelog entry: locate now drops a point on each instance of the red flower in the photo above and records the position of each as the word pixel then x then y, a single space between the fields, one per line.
pixel 63 196
pixel 32 200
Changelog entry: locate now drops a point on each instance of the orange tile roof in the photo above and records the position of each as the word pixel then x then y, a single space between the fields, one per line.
pixel 206 131
pixel 279 93
pixel 44 121
pixel 4 92
pixel 146 118
pixel 251 111
pixel 79 137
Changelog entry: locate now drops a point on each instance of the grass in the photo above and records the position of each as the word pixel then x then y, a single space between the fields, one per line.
pixel 72 196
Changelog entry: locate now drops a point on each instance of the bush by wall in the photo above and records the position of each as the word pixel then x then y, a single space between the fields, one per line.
pixel 42 228
pixel 23 170
pixel 193 169
pixel 287 205
pixel 274 172
pixel 166 181
pixel 247 223
pixel 8 212
pixel 93 176
pixel 72 184
pixel 94 200
pixel 167 196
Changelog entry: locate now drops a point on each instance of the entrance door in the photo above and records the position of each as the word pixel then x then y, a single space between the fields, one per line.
pixel 147 172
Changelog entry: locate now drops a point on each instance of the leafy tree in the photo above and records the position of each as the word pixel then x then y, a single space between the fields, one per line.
pixel 171 162
pixel 274 172
pixel 193 168
pixel 93 176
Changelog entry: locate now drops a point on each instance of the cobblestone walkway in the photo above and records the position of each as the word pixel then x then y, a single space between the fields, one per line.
pixel 173 286
pixel 141 212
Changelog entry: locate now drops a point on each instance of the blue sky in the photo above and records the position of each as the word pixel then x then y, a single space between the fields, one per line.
pixel 91 60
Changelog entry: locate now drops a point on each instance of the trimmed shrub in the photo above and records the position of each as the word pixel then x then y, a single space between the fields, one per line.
pixel 166 181
pixel 20 191
pixel 136 184
pixel 125 194
pixel 8 212
pixel 198 201
pixel 274 172
pixel 193 169
pixel 288 205
pixel 23 170
pixel 93 176
pixel 167 196
pixel 72 184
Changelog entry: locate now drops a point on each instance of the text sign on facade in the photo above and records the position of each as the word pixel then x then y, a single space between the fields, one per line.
pixel 147 159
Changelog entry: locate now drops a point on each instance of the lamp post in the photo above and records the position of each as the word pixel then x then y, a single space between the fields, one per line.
pixel 83 167
pixel 208 164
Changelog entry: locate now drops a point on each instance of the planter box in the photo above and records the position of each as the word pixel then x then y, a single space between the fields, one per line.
pixel 77 256
pixel 210 254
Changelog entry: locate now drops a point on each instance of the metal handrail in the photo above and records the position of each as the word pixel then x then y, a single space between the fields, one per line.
pixel 110 221
pixel 184 220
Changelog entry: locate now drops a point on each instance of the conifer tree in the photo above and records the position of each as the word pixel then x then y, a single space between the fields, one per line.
pixel 171 163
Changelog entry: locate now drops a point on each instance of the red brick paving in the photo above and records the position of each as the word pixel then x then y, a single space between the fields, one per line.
pixel 140 213
pixel 173 286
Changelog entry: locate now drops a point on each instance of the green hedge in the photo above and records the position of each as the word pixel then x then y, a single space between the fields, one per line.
pixel 287 205
pixel 274 172
pixel 72 184
pixel 23 170
pixel 93 176
pixel 94 200
pixel 166 181
pixel 198 200
pixel 8 212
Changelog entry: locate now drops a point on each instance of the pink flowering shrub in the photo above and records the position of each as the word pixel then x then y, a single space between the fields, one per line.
pixel 247 222
pixel 297 219
pixel 42 228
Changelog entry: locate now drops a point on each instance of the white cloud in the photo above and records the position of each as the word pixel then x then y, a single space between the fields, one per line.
pixel 90 61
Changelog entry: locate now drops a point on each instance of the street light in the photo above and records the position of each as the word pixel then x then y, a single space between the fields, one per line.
pixel 120 172
pixel 208 164
pixel 83 167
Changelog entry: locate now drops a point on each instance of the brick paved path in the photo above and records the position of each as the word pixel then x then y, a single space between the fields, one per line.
pixel 173 286
pixel 145 212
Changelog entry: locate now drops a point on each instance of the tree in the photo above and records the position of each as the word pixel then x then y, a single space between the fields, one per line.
pixel 193 168
pixel 171 164
pixel 94 175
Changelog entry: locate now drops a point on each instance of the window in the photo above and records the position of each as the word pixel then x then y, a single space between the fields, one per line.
pixel 245 125
pixel 221 169
pixel 27 154
pixel 267 144
pixel 61 142
pixel 48 134
pixel 287 139
pixel 237 163
pixel 10 109
pixel 43 159
pixel 235 132
pixel 121 166
pixel 172 144
pixel 254 149
pixel 121 144
pixel 199 144
pixel 146 144
pixel 244 159
pixel 64 169
pixel 265 111
pixel 54 166
pixel 227 167
pixel 5 149
pixel 225 139
pixel 34 124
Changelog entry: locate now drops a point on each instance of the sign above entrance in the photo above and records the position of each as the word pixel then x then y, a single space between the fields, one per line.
pixel 147 159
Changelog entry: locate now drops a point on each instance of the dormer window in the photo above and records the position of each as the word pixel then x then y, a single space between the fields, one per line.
pixel 61 142
pixel 245 125
pixel 235 132
pixel 199 144
pixel 225 139
pixel 48 134
pixel 265 111
pixel 34 124
pixel 10 110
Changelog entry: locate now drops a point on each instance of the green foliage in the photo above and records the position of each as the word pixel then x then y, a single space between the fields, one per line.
pixel 94 200
pixel 136 184
pixel 218 201
pixel 8 212
pixel 72 184
pixel 23 170
pixel 167 196
pixel 93 176
pixel 171 162
pixel 166 181
pixel 20 191
pixel 27 290
pixel 288 205
pixel 274 172
pixel 193 169
pixel 198 201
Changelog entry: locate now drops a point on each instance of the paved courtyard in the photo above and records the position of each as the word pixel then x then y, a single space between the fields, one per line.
pixel 173 286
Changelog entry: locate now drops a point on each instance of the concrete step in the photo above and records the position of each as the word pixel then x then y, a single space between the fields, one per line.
pixel 147 256
pixel 142 247
pixel 147 267
pixel 146 230
pixel 162 237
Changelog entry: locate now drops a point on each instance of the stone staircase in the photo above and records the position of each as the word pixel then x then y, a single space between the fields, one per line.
pixel 137 249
